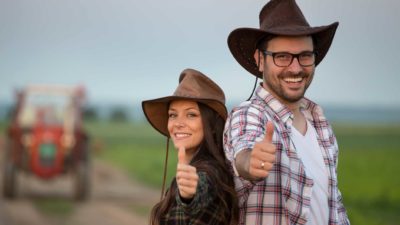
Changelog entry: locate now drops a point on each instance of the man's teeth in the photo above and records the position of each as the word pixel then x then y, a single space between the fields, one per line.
pixel 293 79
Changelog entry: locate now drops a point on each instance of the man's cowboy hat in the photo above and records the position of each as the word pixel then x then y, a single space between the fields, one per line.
pixel 193 85
pixel 281 18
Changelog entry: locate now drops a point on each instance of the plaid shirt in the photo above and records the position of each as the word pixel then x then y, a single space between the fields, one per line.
pixel 284 196
pixel 204 208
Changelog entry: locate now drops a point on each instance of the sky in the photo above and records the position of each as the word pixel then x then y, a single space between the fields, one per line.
pixel 127 51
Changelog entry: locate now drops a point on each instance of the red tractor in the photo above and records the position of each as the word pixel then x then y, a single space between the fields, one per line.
pixel 46 138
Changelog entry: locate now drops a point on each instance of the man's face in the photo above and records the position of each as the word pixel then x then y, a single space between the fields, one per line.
pixel 289 83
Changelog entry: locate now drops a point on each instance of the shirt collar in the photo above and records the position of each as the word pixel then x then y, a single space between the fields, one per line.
pixel 310 109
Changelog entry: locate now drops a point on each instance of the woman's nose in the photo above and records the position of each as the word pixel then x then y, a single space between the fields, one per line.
pixel 179 123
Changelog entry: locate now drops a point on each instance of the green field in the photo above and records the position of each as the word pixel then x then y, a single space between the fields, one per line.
pixel 368 172
pixel 135 147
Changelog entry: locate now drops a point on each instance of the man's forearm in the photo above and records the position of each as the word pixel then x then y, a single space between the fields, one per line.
pixel 242 164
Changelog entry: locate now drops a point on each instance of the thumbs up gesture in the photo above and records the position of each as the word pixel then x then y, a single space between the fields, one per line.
pixel 186 176
pixel 262 156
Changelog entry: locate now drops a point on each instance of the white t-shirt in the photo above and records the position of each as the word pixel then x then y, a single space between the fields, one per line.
pixel 309 152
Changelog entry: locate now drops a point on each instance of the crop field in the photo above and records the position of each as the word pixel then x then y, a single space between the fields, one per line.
pixel 369 168
pixel 369 171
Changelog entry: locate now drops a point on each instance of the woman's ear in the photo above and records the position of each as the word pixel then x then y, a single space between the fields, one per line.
pixel 259 58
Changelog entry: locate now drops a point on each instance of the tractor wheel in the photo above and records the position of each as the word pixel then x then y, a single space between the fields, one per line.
pixel 82 180
pixel 9 176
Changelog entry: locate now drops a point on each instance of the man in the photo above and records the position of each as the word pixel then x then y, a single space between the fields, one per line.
pixel 281 147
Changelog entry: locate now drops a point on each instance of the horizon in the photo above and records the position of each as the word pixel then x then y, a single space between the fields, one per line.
pixel 334 113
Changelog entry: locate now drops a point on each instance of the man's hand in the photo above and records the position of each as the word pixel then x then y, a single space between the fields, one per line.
pixel 186 176
pixel 256 163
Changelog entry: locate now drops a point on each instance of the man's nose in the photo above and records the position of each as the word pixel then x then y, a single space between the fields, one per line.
pixel 295 66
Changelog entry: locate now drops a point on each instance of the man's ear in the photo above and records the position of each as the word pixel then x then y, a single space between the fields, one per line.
pixel 259 57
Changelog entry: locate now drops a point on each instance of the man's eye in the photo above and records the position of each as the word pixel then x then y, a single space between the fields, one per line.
pixel 307 55
pixel 282 56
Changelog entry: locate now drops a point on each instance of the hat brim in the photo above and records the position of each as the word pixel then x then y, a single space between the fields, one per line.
pixel 156 110
pixel 242 42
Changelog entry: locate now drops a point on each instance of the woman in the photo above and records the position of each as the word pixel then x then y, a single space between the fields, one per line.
pixel 202 191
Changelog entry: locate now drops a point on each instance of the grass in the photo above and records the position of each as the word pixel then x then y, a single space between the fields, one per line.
pixel 369 172
pixel 368 164
pixel 137 148
pixel 54 207
pixel 368 167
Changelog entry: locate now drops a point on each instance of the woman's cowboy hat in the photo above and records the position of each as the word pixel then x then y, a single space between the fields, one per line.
pixel 193 85
pixel 282 18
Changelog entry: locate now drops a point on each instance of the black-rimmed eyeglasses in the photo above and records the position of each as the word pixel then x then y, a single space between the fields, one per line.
pixel 284 59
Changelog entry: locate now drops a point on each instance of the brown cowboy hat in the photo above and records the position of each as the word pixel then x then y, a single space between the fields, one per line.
pixel 193 85
pixel 278 18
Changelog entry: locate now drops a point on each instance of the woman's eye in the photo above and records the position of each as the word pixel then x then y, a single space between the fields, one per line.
pixel 171 115
pixel 192 115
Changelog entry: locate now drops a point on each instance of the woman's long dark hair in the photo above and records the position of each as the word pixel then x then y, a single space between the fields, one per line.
pixel 211 159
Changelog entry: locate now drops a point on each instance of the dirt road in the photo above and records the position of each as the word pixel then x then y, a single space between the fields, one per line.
pixel 115 199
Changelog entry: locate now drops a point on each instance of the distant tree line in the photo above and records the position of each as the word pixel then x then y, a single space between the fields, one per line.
pixel 115 114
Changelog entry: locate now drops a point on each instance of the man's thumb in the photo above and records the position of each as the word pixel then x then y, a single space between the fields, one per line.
pixel 269 132
pixel 182 156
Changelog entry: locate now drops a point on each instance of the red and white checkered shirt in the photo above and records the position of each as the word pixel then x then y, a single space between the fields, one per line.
pixel 284 196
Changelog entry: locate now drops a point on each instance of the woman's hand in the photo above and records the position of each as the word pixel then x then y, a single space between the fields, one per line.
pixel 186 176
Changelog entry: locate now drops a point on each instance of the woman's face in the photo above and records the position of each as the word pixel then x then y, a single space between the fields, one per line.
pixel 185 125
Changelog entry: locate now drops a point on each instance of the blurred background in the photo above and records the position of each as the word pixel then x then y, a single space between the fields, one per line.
pixel 122 52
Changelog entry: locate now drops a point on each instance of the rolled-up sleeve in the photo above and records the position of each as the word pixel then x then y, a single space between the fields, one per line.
pixel 245 126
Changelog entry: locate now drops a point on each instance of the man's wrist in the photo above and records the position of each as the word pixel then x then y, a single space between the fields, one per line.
pixel 242 164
